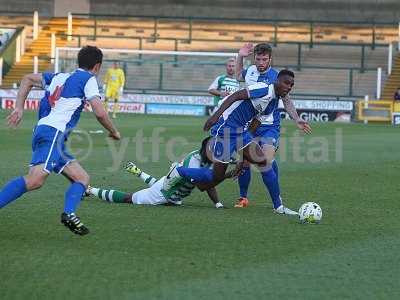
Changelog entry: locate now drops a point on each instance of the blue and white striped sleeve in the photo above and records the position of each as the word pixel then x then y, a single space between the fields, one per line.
pixel 91 89
pixel 258 90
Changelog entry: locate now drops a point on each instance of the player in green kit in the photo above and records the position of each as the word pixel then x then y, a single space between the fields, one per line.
pixel 155 194
pixel 226 84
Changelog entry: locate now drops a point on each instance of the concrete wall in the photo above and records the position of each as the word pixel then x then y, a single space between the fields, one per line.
pixel 62 7
pixel 44 7
pixel 333 10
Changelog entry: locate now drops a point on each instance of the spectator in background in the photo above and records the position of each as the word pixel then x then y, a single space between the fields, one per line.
pixel 396 96
pixel 226 84
pixel 113 87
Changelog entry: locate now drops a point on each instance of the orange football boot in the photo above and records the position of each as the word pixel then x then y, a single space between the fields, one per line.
pixel 242 202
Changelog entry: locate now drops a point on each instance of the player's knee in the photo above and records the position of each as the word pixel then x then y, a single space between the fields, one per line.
pixel 34 182
pixel 83 178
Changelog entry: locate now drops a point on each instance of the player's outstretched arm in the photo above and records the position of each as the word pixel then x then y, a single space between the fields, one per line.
pixel 291 110
pixel 104 119
pixel 236 96
pixel 213 89
pixel 29 81
pixel 215 92
pixel 245 51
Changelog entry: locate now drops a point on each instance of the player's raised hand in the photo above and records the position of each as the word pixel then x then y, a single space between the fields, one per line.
pixel 246 50
pixel 210 122
pixel 304 126
pixel 15 117
pixel 115 135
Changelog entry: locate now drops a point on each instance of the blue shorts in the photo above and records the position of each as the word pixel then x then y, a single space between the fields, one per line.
pixel 48 148
pixel 267 135
pixel 227 142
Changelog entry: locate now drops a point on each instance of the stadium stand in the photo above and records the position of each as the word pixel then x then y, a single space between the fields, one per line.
pixel 313 52
pixel 223 30
pixel 393 81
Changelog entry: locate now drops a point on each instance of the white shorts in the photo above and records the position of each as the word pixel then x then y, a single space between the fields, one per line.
pixel 151 195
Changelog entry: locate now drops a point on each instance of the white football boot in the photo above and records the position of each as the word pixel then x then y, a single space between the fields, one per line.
pixel 282 210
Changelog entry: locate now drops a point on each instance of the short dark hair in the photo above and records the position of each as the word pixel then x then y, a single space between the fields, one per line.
pixel 89 56
pixel 262 49
pixel 286 72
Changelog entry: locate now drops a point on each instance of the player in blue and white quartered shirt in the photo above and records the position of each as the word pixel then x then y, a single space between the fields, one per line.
pixel 67 95
pixel 261 71
pixel 231 134
pixel 265 129
pixel 44 104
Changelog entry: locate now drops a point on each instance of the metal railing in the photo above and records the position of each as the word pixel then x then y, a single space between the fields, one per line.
pixel 177 42
pixel 372 27
pixel 163 67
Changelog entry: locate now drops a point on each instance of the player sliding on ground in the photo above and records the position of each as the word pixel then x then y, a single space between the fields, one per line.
pixel 230 135
pixel 155 194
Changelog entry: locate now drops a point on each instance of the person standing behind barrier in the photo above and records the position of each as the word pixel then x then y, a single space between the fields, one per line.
pixel 396 96
pixel 113 87
pixel 226 84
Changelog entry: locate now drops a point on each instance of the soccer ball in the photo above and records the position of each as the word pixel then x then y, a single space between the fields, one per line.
pixel 310 212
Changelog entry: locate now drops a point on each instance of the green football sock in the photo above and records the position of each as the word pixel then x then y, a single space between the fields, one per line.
pixel 148 179
pixel 110 195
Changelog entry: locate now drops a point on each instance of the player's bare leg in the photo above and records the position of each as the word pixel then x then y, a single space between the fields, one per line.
pixel 16 187
pixel 35 178
pixel 106 104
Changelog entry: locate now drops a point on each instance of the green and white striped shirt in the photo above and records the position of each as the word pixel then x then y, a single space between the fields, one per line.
pixel 224 83
pixel 184 187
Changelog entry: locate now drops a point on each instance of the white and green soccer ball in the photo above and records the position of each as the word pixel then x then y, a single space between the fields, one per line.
pixel 310 212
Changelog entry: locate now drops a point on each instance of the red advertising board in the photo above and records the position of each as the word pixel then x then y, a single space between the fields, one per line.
pixel 30 104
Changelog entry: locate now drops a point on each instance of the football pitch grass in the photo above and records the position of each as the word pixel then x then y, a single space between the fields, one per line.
pixel 197 251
